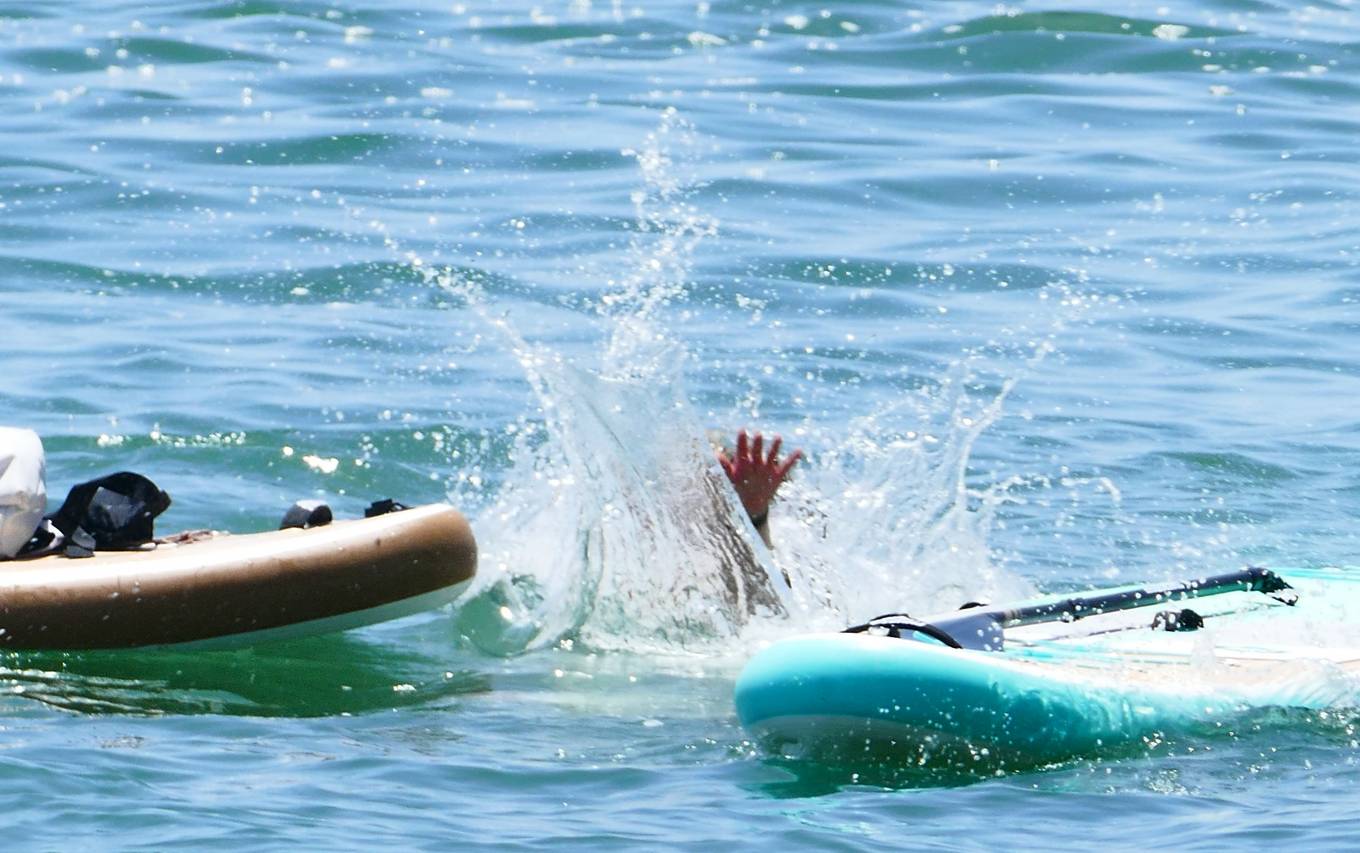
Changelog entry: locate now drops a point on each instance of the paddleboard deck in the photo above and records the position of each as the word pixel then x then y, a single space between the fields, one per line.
pixel 236 590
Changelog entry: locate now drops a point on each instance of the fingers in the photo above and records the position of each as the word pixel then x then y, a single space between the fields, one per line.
pixel 725 463
pixel 783 470
pixel 750 456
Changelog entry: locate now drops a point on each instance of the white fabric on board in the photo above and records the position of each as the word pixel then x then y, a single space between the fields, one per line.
pixel 23 487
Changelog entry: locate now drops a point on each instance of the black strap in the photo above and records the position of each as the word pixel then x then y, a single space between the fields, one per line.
pixel 383 507
pixel 1177 620
pixel 40 541
pixel 893 624
pixel 307 514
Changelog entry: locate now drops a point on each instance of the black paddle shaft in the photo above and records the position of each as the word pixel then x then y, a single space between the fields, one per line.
pixel 982 627
pixel 1070 609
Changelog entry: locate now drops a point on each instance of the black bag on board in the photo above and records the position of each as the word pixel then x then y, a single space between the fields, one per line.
pixel 116 512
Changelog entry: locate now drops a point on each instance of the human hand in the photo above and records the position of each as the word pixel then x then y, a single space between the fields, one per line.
pixel 755 475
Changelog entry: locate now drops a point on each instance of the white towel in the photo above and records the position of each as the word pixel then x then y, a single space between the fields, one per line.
pixel 23 487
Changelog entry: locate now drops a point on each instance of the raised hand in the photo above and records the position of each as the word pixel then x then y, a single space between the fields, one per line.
pixel 756 475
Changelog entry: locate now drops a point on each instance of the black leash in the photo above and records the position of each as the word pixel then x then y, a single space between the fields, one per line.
pixel 903 622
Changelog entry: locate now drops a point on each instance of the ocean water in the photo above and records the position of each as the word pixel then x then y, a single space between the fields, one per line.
pixel 1052 296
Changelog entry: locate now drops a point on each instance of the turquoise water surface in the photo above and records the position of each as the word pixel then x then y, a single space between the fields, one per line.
pixel 1052 295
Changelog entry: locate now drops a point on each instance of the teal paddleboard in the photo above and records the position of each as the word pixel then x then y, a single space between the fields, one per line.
pixel 1077 683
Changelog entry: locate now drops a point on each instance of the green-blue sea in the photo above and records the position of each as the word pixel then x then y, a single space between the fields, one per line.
pixel 1053 295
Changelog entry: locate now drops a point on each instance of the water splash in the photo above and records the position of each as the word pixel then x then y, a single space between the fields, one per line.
pixel 614 530
pixel 883 516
